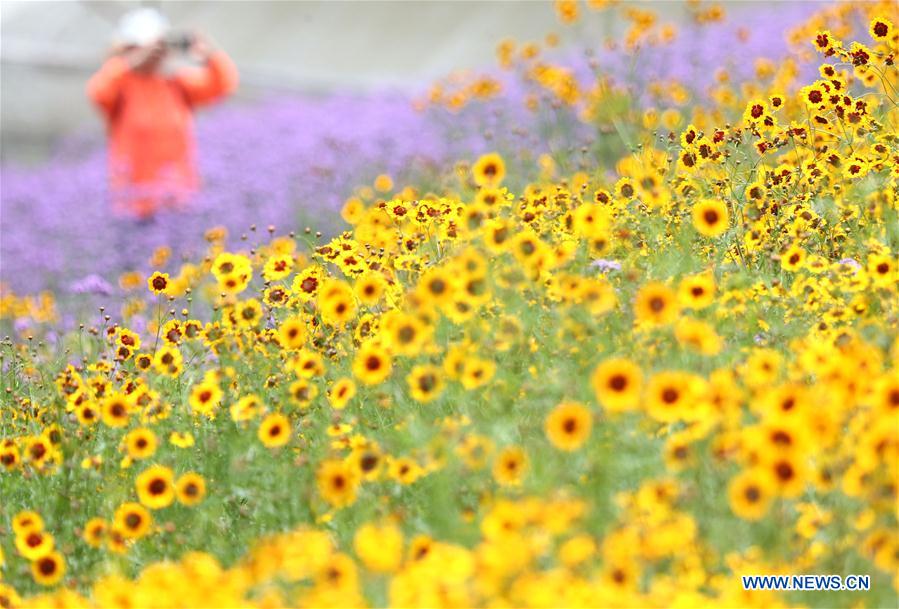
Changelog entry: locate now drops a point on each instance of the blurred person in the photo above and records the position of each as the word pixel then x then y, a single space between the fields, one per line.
pixel 148 106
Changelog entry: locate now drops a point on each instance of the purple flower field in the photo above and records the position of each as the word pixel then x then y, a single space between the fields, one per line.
pixel 291 170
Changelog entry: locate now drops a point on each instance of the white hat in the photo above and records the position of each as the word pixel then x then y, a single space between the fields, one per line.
pixel 142 27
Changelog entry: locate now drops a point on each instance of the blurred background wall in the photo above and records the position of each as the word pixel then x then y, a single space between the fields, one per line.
pixel 49 49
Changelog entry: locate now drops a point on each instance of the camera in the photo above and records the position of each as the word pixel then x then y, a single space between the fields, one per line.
pixel 179 41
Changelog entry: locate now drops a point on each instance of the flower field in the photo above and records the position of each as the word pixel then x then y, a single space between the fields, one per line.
pixel 643 346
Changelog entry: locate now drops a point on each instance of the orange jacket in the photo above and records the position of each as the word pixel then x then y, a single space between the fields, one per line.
pixel 149 120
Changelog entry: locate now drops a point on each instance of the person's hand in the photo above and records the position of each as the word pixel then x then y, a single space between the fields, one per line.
pixel 201 47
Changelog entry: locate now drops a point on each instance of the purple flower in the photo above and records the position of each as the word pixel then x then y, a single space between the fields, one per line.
pixel 851 262
pixel 606 265
pixel 91 284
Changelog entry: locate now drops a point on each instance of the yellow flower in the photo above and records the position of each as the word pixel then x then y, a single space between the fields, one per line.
pixel 232 271
pixel 567 11
pixel 370 288
pixel 306 364
pixel 368 461
pixel 656 304
pixel 155 487
pixel 129 339
pixel 510 466
pixel 205 397
pixel 435 287
pixel 882 269
pixel 337 482
pixel 171 332
pixel 159 283
pixel 27 521
pixel 132 520
pixel 489 170
pixel 577 550
pixel 383 183
pixel 168 360
pixel 568 426
pixel 303 392
pixel 477 372
pixel 336 302
pixel 425 383
pixel 880 28
pixel 248 313
pixel 617 383
pixel 140 443
pixel 95 532
pixel 789 472
pixel 353 210
pixel 671 396
pixel 698 335
pixel 404 470
pixel 710 217
pixel 756 112
pixel 379 547
pixel 48 569
pixel 34 544
pixel 181 439
pixel 277 267
pixel 342 392
pixel 130 281
pixel 190 489
pixel 696 291
pixel 597 295
pixel 246 408
pixel 404 334
pixel 116 410
pixel 292 333
pixel 372 364
pixel 274 431
pixel 10 457
pixel 793 259
pixel 307 283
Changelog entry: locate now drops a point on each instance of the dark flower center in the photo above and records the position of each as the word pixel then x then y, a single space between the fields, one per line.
pixel 670 396
pixel 368 462
pixel 784 471
pixel 47 566
pixel 752 494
